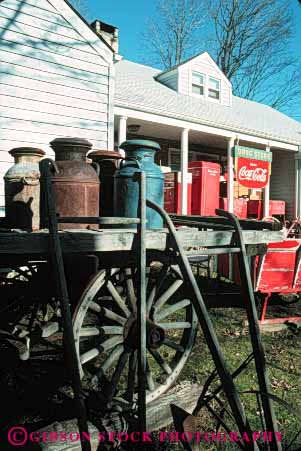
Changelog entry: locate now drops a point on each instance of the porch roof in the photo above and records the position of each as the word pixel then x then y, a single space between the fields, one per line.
pixel 137 89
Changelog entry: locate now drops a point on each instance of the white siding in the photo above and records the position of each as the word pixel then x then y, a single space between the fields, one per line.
pixel 184 80
pixel 53 81
pixel 282 185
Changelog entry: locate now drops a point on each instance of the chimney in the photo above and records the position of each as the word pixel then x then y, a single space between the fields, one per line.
pixel 108 32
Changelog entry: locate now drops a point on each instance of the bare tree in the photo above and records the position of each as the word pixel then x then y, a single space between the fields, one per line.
pixel 251 46
pixel 171 36
pixel 249 40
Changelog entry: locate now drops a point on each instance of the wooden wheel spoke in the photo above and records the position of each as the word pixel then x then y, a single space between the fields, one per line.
pixel 117 373
pixel 89 355
pixel 161 362
pixel 111 330
pixel 89 331
pixel 173 345
pixel 150 299
pixel 156 288
pixel 168 293
pixel 113 316
pixel 130 289
pixel 149 378
pixel 118 299
pixel 113 356
pixel 94 307
pixel 103 347
pixel 111 343
pixel 175 325
pixel 131 376
pixel 171 309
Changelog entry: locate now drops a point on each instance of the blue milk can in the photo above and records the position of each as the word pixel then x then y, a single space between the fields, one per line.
pixel 139 156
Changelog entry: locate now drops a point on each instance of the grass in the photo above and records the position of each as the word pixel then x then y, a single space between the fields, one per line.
pixel 283 353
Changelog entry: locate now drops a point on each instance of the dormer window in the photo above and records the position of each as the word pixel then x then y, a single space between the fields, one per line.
pixel 198 77
pixel 198 82
pixel 214 88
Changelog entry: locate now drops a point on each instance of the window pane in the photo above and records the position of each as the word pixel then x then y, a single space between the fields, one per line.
pixel 213 94
pixel 197 78
pixel 214 84
pixel 198 90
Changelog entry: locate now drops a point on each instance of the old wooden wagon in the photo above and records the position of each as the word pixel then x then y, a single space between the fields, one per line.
pixel 131 293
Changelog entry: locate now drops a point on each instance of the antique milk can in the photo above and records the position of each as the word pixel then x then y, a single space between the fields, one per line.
pixel 139 156
pixel 108 162
pixel 76 186
pixel 22 189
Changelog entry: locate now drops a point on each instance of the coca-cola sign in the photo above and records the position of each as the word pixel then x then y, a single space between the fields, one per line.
pixel 252 173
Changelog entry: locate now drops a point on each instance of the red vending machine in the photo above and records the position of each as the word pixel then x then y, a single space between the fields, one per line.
pixel 172 192
pixel 255 208
pixel 240 206
pixel 205 187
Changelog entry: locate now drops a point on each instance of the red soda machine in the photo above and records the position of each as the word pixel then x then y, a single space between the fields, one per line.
pixel 205 187
pixel 172 192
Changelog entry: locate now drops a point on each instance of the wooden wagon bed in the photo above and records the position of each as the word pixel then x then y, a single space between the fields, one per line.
pixel 108 240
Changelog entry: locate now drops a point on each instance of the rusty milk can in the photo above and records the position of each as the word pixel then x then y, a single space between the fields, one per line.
pixel 76 186
pixel 108 163
pixel 22 189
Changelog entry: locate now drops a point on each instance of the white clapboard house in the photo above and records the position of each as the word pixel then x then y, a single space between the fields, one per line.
pixel 56 78
pixel 191 111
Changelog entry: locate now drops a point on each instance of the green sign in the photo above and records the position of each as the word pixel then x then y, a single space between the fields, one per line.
pixel 254 154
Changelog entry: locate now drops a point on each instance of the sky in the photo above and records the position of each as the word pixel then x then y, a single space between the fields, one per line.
pixel 131 16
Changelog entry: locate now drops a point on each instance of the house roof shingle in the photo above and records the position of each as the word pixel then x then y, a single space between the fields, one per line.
pixel 137 88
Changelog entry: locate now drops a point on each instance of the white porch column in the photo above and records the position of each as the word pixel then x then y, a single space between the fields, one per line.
pixel 266 200
pixel 298 184
pixel 122 132
pixel 184 169
pixel 230 170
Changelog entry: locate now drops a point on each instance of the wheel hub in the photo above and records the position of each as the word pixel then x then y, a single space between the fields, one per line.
pixel 155 335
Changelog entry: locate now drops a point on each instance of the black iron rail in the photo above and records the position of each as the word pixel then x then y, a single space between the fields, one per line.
pixel 245 224
pixel 47 166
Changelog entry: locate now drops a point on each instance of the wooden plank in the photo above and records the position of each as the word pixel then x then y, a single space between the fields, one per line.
pixel 17 10
pixel 58 99
pixel 40 24
pixel 41 140
pixel 42 4
pixel 67 427
pixel 45 40
pixel 51 82
pixel 33 61
pixel 49 124
pixel 5 157
pixel 184 395
pixel 10 103
pixel 118 240
pixel 18 56
pixel 20 47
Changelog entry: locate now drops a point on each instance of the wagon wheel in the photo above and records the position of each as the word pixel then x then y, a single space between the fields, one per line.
pixel 26 304
pixel 106 338
pixel 17 291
